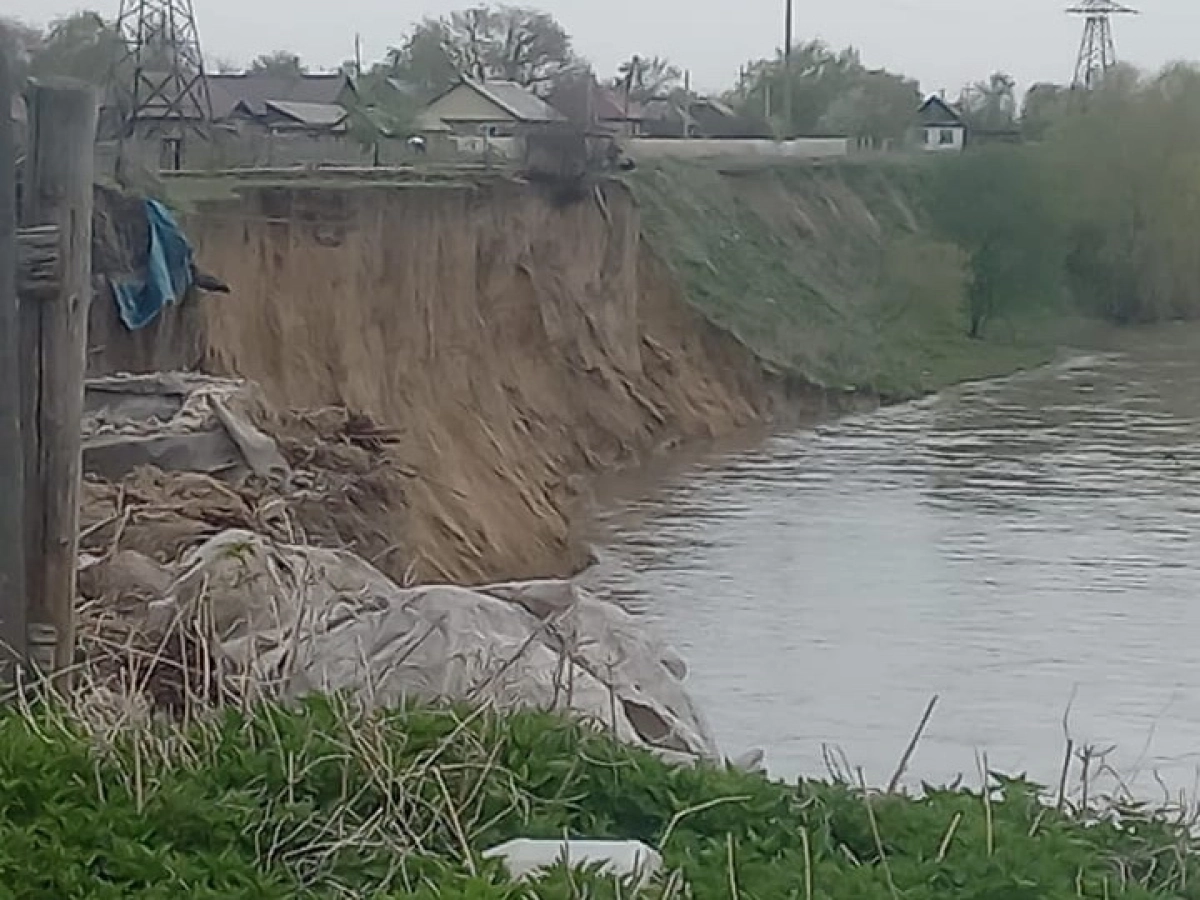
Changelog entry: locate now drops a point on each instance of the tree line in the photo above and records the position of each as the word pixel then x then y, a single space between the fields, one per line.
pixel 832 91
pixel 1099 211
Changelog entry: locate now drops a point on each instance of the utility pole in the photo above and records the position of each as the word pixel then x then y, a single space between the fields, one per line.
pixel 1097 50
pixel 787 67
pixel 12 474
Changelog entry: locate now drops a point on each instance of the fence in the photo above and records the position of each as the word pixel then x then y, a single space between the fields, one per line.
pixel 699 148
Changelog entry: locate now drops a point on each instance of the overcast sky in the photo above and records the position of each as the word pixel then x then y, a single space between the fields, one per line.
pixel 943 43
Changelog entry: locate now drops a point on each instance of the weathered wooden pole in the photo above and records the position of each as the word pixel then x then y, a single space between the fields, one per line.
pixel 12 476
pixel 58 191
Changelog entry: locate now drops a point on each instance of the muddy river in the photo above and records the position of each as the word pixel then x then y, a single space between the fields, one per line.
pixel 1019 548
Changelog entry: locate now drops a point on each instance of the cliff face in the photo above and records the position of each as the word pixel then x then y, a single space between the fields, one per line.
pixel 513 345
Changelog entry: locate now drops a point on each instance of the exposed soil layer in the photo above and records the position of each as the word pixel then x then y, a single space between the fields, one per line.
pixel 506 345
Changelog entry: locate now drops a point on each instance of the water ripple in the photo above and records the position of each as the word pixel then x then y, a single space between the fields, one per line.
pixel 1007 545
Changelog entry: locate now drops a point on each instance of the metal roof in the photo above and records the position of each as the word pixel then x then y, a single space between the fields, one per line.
pixel 319 115
pixel 254 89
pixel 518 101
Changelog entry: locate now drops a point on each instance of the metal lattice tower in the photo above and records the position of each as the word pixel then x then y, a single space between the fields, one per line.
pixel 161 81
pixel 1097 51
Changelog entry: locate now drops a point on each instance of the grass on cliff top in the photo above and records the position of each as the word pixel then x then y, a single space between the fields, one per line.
pixel 323 800
pixel 826 270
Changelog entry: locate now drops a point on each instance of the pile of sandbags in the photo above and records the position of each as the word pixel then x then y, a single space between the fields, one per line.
pixel 282 620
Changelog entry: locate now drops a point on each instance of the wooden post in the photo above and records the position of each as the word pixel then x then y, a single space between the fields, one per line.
pixel 37 263
pixel 59 184
pixel 12 478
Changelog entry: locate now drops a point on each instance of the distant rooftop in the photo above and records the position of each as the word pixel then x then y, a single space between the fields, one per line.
pixel 520 102
pixel 254 89
pixel 318 115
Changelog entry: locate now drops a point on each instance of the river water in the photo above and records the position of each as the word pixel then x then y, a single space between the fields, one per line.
pixel 1020 548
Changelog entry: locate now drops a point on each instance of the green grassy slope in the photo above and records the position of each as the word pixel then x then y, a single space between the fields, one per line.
pixel 826 270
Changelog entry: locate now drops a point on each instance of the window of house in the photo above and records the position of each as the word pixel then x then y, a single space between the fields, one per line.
pixel 946 137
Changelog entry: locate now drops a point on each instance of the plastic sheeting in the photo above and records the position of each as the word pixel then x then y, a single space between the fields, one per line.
pixel 289 620
pixel 169 272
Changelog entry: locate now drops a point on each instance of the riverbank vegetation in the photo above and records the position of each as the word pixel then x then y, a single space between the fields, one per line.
pixel 326 800
pixel 1098 212
pixel 834 272
pixel 899 274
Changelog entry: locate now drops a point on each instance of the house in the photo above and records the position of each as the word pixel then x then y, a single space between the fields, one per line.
pixel 940 127
pixel 281 116
pixel 248 93
pixel 494 108
pixel 598 108
pixel 699 117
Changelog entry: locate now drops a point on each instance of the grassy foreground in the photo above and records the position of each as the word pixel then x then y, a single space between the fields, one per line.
pixel 328 801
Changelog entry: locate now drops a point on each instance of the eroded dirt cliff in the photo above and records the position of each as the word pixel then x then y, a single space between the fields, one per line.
pixel 509 345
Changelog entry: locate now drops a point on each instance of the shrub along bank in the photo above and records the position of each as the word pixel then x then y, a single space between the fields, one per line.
pixel 326 801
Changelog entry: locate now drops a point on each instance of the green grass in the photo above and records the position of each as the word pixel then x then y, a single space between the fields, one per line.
pixel 828 271
pixel 323 800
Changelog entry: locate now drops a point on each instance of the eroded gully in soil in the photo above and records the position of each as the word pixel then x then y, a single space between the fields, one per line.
pixel 1020 547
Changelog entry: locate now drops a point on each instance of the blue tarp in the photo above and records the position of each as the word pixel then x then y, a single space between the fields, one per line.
pixel 168 272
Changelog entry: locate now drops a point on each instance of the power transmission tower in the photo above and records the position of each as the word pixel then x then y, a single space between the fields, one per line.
pixel 161 81
pixel 1097 51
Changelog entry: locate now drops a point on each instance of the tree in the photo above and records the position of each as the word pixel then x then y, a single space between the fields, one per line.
pixel 818 74
pixel 282 63
pixel 831 91
pixel 643 78
pixel 82 45
pixel 18 42
pixel 379 113
pixel 1045 104
pixel 509 43
pixel 1124 164
pixel 991 105
pixel 422 60
pixel 995 204
pixel 877 107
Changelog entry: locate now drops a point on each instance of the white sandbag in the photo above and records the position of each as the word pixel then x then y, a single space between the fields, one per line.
pixel 290 620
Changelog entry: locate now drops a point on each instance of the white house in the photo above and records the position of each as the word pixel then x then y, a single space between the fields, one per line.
pixel 941 127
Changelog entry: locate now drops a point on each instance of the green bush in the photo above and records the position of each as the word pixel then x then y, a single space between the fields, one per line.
pixel 326 801
pixel 994 204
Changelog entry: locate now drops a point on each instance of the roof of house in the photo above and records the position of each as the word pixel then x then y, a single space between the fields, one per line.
pixel 700 117
pixel 935 111
pixel 254 89
pixel 315 115
pixel 518 101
